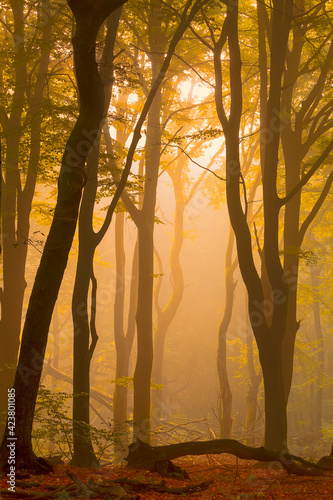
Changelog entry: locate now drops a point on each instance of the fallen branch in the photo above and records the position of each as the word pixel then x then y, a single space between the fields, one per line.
pixel 143 456
pixel 133 485
pixel 124 488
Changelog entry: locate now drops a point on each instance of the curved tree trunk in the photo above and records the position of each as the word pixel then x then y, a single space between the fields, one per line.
pixel 268 336
pixel 123 343
pixel 225 392
pixel 157 458
pixel 296 146
pixel 166 315
pixel 83 450
pixel 145 217
pixel 84 327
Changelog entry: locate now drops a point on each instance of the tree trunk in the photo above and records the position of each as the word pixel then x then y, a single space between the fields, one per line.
pixel 85 327
pixel 268 336
pixel 59 240
pixel 166 315
pixel 252 393
pixel 157 458
pixel 225 392
pixel 16 202
pixel 318 393
pixel 144 315
pixel 83 450
pixel 144 218
pixel 297 140
pixel 123 342
pixel 275 403
pixel 143 368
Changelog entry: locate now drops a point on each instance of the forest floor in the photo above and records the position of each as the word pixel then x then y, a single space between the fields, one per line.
pixel 228 478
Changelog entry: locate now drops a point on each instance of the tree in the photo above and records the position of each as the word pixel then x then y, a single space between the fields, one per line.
pixel 144 218
pixel 305 138
pixel 23 79
pixel 184 192
pixel 268 331
pixel 158 458
pixel 268 294
pixel 123 341
pixel 230 266
pixel 83 325
pixel 89 16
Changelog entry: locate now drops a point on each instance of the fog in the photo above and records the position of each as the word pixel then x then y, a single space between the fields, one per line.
pixel 190 389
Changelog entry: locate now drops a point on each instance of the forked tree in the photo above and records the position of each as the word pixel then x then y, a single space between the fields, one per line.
pixel 268 293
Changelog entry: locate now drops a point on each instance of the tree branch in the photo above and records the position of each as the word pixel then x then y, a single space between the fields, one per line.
pixel 315 209
pixel 308 175
pixel 183 25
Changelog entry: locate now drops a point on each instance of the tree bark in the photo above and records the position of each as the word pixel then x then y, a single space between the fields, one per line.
pixel 252 393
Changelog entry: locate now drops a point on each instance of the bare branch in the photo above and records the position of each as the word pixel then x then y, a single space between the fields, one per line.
pixel 196 163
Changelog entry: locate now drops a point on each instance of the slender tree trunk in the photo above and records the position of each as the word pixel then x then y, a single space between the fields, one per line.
pixel 120 390
pixel 143 368
pixel 166 315
pixel 144 218
pixel 292 145
pixel 144 315
pixel 83 450
pixel 225 392
pixel 318 393
pixel 123 342
pixel 13 262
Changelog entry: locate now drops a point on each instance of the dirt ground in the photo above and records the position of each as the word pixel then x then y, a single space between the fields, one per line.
pixel 228 478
